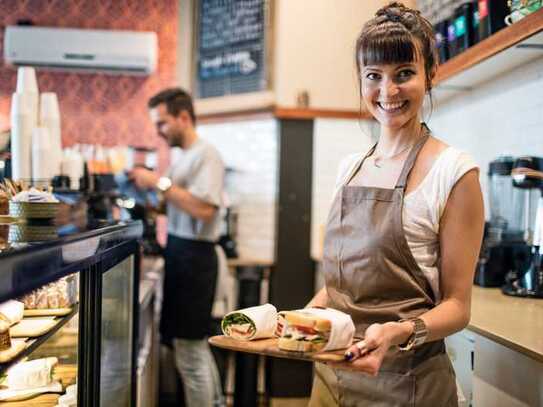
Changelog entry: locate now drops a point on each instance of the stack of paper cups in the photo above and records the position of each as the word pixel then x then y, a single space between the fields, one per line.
pixel 72 166
pixel 21 133
pixel 24 117
pixel 50 119
pixel 42 165
pixel 27 85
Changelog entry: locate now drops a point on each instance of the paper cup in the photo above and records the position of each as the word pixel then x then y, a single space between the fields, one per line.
pixel 49 105
pixel 43 164
pixel 26 80
pixel 21 134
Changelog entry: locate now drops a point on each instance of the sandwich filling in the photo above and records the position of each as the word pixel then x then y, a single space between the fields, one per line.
pixel 310 332
pixel 238 326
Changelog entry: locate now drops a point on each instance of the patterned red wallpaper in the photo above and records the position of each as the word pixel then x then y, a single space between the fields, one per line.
pixel 98 108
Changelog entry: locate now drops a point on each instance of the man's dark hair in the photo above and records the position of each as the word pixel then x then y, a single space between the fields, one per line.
pixel 176 100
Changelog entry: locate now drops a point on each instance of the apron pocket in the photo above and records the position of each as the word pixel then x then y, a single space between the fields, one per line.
pixel 385 390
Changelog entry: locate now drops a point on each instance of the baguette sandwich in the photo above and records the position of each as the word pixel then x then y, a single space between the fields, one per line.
pixel 302 331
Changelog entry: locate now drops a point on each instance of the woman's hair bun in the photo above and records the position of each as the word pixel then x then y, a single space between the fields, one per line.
pixel 398 13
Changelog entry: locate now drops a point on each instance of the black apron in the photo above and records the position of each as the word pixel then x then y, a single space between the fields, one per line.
pixel 189 288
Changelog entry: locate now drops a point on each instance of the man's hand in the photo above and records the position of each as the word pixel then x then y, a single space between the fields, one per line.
pixel 143 178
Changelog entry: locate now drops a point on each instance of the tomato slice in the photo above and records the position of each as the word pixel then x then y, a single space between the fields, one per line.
pixel 305 330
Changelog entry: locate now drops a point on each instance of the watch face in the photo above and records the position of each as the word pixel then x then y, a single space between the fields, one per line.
pixel 164 183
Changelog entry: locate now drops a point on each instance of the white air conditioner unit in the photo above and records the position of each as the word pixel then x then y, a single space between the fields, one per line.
pixel 113 51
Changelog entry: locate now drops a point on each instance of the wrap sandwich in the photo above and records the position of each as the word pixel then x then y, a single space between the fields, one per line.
pixel 250 323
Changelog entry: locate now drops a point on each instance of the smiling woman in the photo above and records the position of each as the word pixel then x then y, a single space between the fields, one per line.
pixel 403 234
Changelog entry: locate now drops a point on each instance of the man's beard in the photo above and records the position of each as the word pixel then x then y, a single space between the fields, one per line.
pixel 176 140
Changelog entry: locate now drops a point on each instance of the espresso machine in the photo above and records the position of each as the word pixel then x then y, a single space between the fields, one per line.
pixel 135 203
pixel 525 279
pixel 504 240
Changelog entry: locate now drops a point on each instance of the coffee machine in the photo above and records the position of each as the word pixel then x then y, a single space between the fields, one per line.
pixel 137 204
pixel 525 279
pixel 504 240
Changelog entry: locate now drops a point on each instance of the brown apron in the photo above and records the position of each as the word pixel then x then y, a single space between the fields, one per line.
pixel 372 275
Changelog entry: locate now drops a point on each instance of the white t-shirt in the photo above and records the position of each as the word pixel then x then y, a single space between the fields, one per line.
pixel 424 206
pixel 200 170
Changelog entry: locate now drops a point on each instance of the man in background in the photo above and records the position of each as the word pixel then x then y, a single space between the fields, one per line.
pixel 192 190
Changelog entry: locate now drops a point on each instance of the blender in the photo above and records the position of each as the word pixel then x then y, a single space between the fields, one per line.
pixel 504 235
pixel 525 279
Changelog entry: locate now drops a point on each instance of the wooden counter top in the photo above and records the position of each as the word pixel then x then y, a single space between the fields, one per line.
pixel 511 321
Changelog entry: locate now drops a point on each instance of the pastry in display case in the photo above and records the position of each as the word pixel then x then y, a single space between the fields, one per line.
pixel 41 323
pixel 68 316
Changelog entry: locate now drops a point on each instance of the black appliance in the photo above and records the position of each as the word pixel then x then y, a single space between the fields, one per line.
pixel 227 239
pixel 504 243
pixel 525 279
pixel 139 205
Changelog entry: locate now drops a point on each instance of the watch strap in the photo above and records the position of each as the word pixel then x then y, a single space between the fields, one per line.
pixel 419 335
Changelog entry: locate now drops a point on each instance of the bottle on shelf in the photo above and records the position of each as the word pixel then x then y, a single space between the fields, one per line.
pixel 491 17
pixel 463 24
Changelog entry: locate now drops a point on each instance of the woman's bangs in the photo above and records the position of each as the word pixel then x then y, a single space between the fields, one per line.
pixel 387 48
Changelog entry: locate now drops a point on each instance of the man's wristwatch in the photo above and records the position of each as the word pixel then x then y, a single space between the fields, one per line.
pixel 164 184
pixel 419 335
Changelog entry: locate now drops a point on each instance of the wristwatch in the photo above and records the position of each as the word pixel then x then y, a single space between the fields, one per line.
pixel 163 184
pixel 419 335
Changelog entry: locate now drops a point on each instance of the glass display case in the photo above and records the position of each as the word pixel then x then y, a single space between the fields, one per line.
pixel 70 300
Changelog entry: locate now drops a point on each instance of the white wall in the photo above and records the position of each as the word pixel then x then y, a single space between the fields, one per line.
pixel 333 141
pixel 314 50
pixel 251 148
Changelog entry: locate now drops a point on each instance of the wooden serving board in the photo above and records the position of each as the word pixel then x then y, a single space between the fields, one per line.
pixel 268 347
pixel 57 312
pixel 17 346
pixel 32 327
pixel 43 400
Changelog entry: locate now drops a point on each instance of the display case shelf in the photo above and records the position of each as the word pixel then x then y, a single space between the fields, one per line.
pixel 503 51
pixel 66 374
pixel 33 343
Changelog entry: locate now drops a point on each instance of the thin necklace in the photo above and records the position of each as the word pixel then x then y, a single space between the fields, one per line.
pixel 378 161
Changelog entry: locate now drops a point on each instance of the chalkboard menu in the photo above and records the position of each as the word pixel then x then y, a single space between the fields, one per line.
pixel 231 47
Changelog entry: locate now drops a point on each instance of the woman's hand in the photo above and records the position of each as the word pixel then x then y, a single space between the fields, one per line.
pixel 368 354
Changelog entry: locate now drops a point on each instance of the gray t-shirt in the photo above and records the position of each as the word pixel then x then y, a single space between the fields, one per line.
pixel 200 170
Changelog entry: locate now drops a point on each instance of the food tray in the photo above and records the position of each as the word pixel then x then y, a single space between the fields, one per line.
pixel 17 346
pixel 33 210
pixel 32 327
pixel 268 347
pixel 56 312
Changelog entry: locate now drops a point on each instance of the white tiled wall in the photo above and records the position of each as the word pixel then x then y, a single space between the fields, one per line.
pixel 251 149
pixel 333 141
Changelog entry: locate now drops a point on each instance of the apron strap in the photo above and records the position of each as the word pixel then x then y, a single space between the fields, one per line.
pixel 358 165
pixel 411 158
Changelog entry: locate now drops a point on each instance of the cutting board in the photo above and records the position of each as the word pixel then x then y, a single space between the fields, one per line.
pixel 268 347
pixel 32 327
pixel 17 346
pixel 57 312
